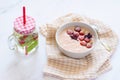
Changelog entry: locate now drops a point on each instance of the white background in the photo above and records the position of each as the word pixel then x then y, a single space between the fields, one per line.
pixel 16 67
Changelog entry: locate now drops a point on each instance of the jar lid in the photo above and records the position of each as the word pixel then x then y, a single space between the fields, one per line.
pixel 26 29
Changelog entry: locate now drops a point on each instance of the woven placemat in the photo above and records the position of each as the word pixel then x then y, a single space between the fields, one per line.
pixel 61 67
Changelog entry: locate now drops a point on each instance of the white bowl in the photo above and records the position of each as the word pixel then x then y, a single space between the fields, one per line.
pixel 73 54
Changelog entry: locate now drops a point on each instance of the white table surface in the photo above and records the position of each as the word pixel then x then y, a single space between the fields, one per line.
pixel 16 67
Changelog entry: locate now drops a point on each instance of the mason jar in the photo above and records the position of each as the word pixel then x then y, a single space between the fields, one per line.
pixel 24 39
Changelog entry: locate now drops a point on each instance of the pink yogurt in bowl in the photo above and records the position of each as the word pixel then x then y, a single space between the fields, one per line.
pixel 76 39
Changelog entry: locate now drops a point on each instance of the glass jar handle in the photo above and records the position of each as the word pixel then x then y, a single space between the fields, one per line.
pixel 11 42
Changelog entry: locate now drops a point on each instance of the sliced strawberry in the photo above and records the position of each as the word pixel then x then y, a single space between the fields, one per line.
pixel 25 36
pixel 81 32
pixel 81 37
pixel 77 29
pixel 69 32
pixel 89 45
pixel 87 39
pixel 83 43
pixel 76 33
pixel 21 41
pixel 73 37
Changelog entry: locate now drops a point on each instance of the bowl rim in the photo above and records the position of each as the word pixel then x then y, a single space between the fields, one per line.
pixel 62 27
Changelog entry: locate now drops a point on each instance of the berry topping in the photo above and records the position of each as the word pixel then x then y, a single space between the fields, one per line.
pixel 77 29
pixel 83 43
pixel 89 45
pixel 87 39
pixel 81 37
pixel 85 36
pixel 89 35
pixel 81 33
pixel 75 33
pixel 73 37
pixel 69 32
